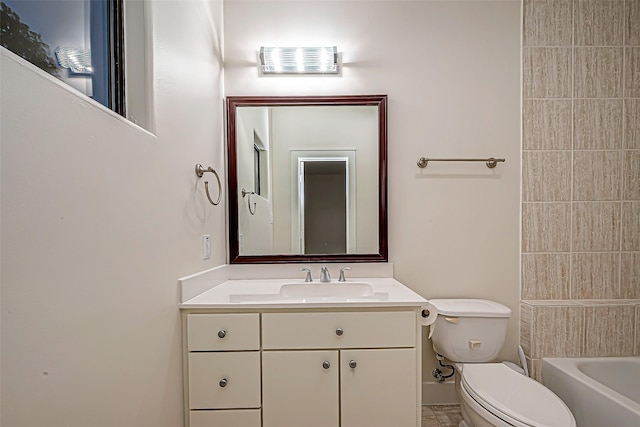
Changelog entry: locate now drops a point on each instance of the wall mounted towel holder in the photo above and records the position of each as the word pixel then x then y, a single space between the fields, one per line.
pixel 200 171
pixel 490 162
pixel 248 194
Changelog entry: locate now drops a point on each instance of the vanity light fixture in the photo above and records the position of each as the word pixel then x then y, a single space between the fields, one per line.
pixel 299 60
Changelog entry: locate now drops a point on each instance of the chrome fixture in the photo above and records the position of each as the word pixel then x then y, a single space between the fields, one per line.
pixel 341 278
pixel 324 275
pixel 326 364
pixel 299 60
pixel 490 162
pixel 200 171
pixel 308 278
pixel 353 364
pixel 248 194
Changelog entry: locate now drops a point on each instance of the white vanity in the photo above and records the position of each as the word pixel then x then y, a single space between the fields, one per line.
pixel 284 353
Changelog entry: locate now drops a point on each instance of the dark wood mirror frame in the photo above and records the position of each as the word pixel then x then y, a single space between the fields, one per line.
pixel 258 101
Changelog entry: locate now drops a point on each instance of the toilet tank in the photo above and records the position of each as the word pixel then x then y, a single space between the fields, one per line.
pixel 469 330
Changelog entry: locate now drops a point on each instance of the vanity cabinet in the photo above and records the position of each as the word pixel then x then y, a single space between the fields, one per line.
pixel 307 368
pixel 223 370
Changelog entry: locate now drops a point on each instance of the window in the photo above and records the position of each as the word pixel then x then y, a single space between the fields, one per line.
pixel 80 42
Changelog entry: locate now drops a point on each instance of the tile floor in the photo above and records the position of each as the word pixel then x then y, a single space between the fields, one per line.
pixel 441 415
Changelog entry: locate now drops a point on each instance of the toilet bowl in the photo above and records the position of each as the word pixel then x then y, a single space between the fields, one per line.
pixel 493 394
pixel 471 333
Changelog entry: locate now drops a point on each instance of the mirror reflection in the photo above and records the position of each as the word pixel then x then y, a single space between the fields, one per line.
pixel 305 180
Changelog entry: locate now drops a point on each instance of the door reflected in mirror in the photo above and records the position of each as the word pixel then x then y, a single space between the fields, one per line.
pixel 307 179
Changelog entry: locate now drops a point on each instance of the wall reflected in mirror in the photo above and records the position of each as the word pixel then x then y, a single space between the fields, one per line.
pixel 311 180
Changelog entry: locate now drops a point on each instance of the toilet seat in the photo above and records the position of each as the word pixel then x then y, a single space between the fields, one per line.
pixel 514 398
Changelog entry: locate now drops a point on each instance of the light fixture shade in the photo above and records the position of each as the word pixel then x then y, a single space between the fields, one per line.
pixel 299 60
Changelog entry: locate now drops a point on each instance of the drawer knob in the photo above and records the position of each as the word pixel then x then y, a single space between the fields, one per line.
pixel 222 334
pixel 352 364
pixel 326 364
pixel 223 382
pixel 339 332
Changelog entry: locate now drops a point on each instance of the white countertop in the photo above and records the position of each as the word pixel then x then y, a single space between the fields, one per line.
pixel 260 294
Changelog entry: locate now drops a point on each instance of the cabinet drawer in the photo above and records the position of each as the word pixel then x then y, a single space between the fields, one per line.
pixel 229 418
pixel 338 330
pixel 224 380
pixel 221 332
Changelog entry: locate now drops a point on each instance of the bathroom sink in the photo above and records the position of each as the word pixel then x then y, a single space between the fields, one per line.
pixel 314 292
pixel 326 290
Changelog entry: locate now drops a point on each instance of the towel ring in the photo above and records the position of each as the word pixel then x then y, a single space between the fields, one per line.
pixel 200 171
pixel 249 193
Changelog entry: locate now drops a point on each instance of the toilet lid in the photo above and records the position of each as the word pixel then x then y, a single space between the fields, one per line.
pixel 509 394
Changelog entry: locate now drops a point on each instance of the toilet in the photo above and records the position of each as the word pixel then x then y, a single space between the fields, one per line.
pixel 470 333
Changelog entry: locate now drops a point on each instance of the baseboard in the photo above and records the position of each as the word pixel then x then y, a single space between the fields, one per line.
pixel 439 393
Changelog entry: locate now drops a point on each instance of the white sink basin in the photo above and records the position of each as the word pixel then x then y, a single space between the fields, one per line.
pixel 314 292
pixel 324 290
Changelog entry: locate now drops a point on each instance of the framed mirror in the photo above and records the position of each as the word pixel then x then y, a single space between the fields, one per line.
pixel 307 179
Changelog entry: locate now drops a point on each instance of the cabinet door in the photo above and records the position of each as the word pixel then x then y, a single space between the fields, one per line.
pixel 300 388
pixel 378 388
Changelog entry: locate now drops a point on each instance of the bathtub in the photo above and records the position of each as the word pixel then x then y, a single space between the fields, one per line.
pixel 600 391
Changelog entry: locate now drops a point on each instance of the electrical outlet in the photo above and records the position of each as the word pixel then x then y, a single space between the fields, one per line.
pixel 206 246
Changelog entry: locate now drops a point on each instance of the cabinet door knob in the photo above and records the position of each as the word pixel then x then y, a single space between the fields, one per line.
pixel 339 332
pixel 223 382
pixel 222 333
pixel 352 364
pixel 326 364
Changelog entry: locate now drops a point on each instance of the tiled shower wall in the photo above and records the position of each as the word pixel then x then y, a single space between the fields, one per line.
pixel 581 179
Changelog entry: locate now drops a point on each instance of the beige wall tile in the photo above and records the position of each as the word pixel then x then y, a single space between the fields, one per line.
pixel 632 123
pixel 631 167
pixel 546 227
pixel 595 275
pixel 631 226
pixel 596 175
pixel 547 124
pixel 558 331
pixel 632 72
pixel 547 72
pixel 526 323
pixel 596 227
pixel 545 276
pixel 546 176
pixel 597 124
pixel 598 22
pixel 636 351
pixel 598 72
pixel 630 275
pixel 632 23
pixel 547 23
pixel 608 329
pixel 535 368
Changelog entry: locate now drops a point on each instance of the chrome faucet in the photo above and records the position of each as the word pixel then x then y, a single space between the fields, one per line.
pixel 341 278
pixel 308 277
pixel 324 275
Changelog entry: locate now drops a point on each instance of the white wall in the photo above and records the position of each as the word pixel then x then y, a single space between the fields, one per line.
pixel 452 73
pixel 256 230
pixel 99 220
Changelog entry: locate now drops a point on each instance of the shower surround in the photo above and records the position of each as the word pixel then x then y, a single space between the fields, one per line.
pixel 580 259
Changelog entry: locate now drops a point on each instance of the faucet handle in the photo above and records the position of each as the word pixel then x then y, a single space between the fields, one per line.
pixel 341 278
pixel 308 277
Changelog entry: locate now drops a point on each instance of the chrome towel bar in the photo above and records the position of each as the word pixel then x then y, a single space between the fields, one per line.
pixel 490 162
